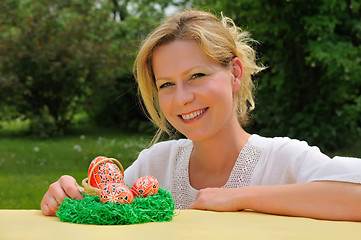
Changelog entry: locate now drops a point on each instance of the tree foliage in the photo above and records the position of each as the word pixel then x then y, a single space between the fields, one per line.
pixel 311 89
pixel 57 57
pixel 116 102
pixel 51 52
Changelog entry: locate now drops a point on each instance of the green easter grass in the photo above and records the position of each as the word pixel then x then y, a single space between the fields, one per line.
pixel 156 208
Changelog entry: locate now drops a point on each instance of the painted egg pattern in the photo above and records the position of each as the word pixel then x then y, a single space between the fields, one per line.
pixel 105 173
pixel 116 193
pixel 95 161
pixel 145 186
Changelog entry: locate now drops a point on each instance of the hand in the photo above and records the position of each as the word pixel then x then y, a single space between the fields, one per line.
pixel 66 186
pixel 219 199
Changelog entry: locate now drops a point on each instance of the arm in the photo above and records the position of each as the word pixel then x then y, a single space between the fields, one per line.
pixel 320 200
pixel 66 186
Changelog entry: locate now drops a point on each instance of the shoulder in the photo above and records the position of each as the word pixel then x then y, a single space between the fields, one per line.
pixel 282 146
pixel 285 160
pixel 266 142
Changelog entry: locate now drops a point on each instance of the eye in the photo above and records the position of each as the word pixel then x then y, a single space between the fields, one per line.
pixel 197 75
pixel 164 85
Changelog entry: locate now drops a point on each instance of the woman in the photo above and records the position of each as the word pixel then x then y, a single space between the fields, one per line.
pixel 194 74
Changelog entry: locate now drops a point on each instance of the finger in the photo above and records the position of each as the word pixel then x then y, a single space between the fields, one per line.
pixel 81 189
pixel 46 210
pixel 197 205
pixel 193 206
pixel 56 193
pixel 73 191
pixel 70 187
pixel 49 205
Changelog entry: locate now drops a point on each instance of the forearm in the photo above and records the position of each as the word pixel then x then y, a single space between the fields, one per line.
pixel 321 200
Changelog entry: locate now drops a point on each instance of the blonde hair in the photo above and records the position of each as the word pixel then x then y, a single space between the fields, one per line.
pixel 221 40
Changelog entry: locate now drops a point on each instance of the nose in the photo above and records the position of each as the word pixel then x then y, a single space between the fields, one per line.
pixel 183 95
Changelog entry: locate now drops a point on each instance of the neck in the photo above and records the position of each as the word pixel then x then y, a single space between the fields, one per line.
pixel 218 154
pixel 212 160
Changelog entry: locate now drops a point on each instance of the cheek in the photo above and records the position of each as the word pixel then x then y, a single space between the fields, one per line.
pixel 164 104
pixel 224 95
pixel 221 89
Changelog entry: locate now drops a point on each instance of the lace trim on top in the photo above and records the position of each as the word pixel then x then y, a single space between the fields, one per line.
pixel 184 194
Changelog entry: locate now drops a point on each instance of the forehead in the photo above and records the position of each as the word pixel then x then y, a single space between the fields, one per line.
pixel 179 55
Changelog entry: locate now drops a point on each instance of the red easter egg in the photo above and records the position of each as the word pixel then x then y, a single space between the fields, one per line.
pixel 145 186
pixel 116 193
pixel 104 173
pixel 95 160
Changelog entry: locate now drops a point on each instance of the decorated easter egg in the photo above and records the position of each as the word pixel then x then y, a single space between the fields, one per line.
pixel 104 173
pixel 145 186
pixel 116 193
pixel 95 161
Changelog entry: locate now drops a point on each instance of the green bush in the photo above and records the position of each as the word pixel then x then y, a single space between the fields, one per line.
pixel 50 53
pixel 311 89
pixel 59 58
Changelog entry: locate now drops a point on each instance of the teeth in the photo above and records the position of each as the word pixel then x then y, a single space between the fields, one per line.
pixel 192 115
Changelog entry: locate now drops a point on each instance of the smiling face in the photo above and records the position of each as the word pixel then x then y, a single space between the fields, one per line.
pixel 195 92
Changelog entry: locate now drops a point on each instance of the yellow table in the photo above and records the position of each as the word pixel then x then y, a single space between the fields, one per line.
pixel 187 224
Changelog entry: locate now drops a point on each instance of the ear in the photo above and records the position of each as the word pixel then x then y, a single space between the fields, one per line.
pixel 237 72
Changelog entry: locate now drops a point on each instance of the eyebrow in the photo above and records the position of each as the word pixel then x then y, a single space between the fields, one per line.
pixel 186 72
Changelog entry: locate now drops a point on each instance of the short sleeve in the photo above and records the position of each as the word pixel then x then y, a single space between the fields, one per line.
pixel 343 169
pixel 287 161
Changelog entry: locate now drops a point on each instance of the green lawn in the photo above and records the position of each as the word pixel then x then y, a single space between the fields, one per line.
pixel 28 165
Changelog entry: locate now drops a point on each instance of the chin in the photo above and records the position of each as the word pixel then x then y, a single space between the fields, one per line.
pixel 197 137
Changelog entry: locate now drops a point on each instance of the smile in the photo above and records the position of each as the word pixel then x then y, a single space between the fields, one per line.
pixel 193 115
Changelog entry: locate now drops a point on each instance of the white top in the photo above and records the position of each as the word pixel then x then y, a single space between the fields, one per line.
pixel 262 161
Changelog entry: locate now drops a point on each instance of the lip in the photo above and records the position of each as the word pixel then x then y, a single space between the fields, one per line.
pixel 199 114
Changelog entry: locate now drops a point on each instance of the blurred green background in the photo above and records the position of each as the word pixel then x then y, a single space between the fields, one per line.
pixel 67 93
